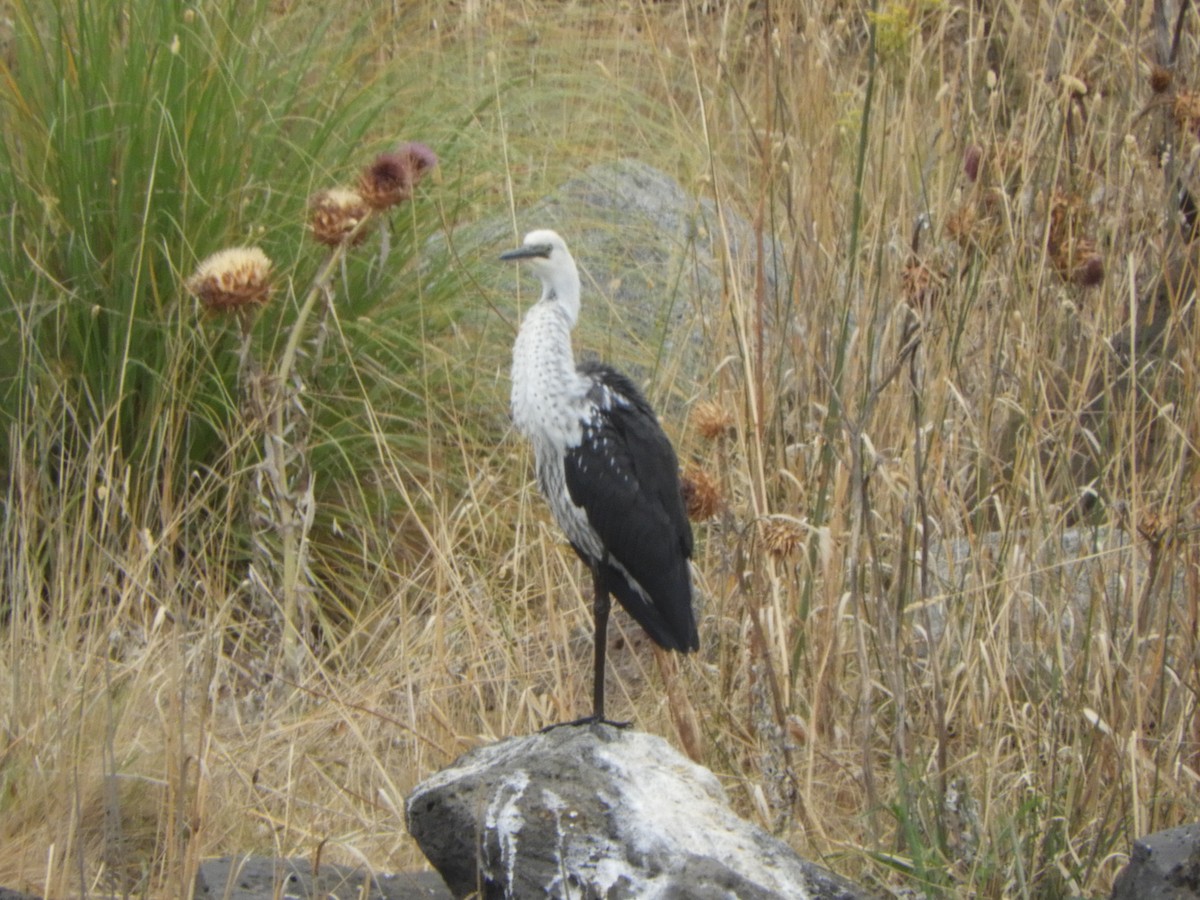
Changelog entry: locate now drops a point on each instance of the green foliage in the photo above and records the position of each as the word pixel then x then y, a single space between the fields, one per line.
pixel 899 21
pixel 139 136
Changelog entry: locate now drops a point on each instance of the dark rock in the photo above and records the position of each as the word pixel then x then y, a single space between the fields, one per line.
pixel 595 811
pixel 1163 866
pixel 265 878
pixel 6 894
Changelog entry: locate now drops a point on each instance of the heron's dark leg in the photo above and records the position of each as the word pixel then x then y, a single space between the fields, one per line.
pixel 601 604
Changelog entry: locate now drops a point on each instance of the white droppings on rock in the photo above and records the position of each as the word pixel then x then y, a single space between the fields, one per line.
pixel 669 807
pixel 505 818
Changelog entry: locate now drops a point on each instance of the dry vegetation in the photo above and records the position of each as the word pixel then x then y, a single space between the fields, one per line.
pixel 1013 370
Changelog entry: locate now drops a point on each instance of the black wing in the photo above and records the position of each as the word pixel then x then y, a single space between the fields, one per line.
pixel 625 477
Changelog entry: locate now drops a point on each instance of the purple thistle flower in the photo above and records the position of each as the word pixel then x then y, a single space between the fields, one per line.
pixel 420 158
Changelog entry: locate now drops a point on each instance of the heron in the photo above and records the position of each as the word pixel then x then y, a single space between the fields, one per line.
pixel 604 466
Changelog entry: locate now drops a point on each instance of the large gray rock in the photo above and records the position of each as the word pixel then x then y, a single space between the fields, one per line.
pixel 1163 866
pixel 596 811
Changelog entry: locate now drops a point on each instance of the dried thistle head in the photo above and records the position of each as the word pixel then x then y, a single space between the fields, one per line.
pixel 232 279
pixel 701 494
pixel 334 214
pixel 420 158
pixel 960 224
pixel 1155 526
pixel 1066 212
pixel 386 181
pixel 1160 79
pixel 1088 270
pixel 1078 261
pixel 1186 110
pixel 922 286
pixel 390 179
pixel 712 420
pixel 972 159
pixel 973 226
pixel 782 537
pixel 1076 258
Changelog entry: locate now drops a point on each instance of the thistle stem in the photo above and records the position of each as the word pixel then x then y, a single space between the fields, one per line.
pixel 293 502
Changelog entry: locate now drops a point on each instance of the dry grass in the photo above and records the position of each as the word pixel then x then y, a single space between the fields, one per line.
pixel 996 740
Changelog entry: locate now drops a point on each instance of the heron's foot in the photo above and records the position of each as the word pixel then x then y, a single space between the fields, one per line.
pixel 593 719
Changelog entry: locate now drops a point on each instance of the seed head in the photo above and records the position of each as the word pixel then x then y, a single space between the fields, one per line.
pixel 782 537
pixel 1073 255
pixel 922 286
pixel 701 495
pixel 420 157
pixel 1155 526
pixel 387 181
pixel 1074 87
pixel 1089 271
pixel 390 179
pixel 236 278
pixel 974 225
pixel 1186 109
pixel 333 215
pixel 1160 79
pixel 712 420
pixel 961 223
pixel 972 159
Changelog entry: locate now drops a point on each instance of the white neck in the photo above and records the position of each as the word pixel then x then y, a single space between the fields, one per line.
pixel 561 285
pixel 547 391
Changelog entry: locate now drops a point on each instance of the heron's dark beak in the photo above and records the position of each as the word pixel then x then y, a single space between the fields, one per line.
pixel 528 251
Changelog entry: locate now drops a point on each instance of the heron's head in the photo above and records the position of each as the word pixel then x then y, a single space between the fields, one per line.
pixel 550 260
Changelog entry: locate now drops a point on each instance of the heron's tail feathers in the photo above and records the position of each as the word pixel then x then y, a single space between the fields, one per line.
pixel 667 615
